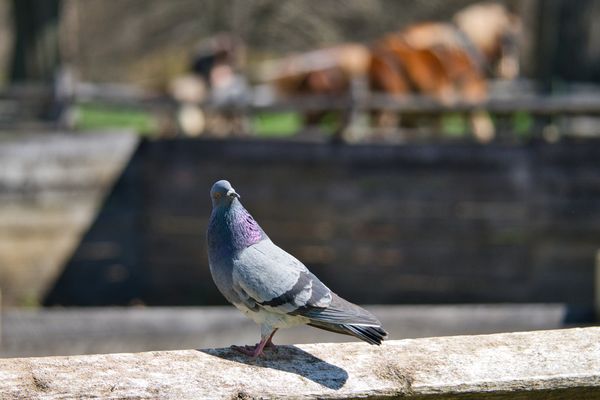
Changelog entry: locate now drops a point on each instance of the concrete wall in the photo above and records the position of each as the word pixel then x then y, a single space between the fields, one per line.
pixel 51 185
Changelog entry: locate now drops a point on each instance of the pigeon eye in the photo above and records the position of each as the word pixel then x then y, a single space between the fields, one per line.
pixel 217 195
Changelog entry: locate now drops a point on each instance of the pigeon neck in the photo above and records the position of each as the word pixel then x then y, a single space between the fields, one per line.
pixel 233 228
pixel 245 230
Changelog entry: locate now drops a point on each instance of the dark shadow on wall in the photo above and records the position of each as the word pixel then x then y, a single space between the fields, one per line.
pixel 137 250
pixel 105 268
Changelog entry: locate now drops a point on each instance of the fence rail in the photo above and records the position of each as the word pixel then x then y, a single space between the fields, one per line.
pixel 560 364
pixel 518 97
pixel 563 104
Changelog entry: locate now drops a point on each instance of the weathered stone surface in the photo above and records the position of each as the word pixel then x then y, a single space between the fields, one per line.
pixel 560 364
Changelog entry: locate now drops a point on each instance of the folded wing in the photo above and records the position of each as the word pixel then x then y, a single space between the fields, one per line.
pixel 266 277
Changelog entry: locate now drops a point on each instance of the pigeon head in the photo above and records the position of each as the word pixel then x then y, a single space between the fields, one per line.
pixel 231 225
pixel 222 193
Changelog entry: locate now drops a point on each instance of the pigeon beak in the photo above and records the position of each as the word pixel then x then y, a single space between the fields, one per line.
pixel 232 193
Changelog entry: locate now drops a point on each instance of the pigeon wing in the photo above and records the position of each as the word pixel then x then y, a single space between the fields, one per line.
pixel 266 276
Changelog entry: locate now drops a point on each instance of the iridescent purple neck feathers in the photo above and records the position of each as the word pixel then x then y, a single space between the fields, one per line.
pixel 246 230
pixel 232 228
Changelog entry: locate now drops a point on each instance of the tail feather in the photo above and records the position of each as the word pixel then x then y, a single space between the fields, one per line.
pixel 370 334
pixel 346 318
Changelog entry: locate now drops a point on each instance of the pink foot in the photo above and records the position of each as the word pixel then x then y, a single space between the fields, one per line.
pixel 247 350
pixel 256 350
pixel 251 351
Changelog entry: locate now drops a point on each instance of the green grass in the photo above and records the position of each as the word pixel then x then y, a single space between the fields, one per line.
pixel 97 116
pixel 454 125
pixel 457 125
pixel 522 124
pixel 276 124
pixel 94 116
pixel 91 116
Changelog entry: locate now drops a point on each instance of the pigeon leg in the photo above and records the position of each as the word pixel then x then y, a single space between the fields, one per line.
pixel 269 341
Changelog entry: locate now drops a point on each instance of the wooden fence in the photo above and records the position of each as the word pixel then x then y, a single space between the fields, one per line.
pixel 30 105
pixel 378 223
pixel 562 364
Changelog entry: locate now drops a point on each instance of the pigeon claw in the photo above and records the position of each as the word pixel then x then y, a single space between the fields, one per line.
pixel 251 351
pixel 256 350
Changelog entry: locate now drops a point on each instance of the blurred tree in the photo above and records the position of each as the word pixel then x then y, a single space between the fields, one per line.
pixel 36 52
pixel 547 40
pixel 567 42
pixel 577 53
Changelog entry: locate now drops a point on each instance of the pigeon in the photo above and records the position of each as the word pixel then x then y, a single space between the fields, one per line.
pixel 270 285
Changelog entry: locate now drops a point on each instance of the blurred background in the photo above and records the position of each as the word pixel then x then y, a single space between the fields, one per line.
pixel 436 161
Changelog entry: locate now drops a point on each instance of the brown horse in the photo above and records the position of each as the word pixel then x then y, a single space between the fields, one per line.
pixel 329 72
pixel 428 59
pixel 449 62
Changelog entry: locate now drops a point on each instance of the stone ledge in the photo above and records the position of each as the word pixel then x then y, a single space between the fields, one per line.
pixel 557 364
